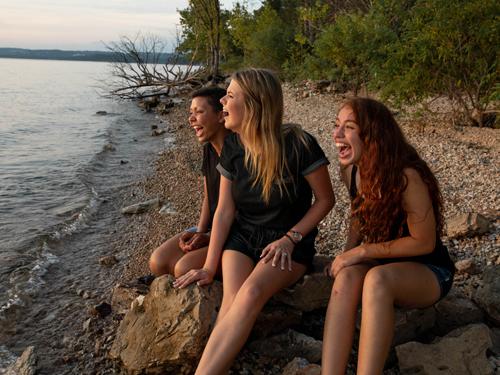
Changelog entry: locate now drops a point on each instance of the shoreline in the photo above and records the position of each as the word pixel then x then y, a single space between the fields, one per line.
pixel 176 178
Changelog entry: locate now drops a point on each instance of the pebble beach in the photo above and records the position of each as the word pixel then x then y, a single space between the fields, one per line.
pixel 465 160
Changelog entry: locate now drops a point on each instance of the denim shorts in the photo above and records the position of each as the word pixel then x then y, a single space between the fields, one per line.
pixel 251 240
pixel 444 277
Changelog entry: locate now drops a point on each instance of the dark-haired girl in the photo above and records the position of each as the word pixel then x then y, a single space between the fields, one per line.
pixel 394 254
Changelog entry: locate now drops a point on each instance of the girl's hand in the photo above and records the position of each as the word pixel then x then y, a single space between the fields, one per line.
pixel 190 241
pixel 201 276
pixel 280 251
pixel 346 259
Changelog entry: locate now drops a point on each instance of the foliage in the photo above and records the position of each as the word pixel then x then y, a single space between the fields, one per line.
pixel 448 47
pixel 408 50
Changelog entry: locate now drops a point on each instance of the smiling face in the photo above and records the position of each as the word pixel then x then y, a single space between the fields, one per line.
pixel 234 107
pixel 204 119
pixel 346 137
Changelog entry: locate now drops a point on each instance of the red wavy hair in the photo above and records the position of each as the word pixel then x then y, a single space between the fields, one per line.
pixel 379 203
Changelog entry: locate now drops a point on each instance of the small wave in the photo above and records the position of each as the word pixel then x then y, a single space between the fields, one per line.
pixel 80 219
pixel 27 281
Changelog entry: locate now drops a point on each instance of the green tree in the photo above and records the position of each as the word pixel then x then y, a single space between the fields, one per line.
pixel 201 32
pixel 447 47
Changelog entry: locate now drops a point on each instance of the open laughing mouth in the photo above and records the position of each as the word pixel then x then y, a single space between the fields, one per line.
pixel 198 130
pixel 344 149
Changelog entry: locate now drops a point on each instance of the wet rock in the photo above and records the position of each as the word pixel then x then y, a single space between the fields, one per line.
pixel 469 224
pixel 455 311
pixel 154 127
pixel 487 295
pixel 26 364
pixel 101 310
pixel 167 331
pixel 108 261
pixel 462 351
pixel 109 147
pixel 139 208
pixel 149 103
pixel 289 345
pixel 301 366
pixel 158 132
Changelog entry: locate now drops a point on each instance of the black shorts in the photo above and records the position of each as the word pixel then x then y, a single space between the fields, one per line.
pixel 251 240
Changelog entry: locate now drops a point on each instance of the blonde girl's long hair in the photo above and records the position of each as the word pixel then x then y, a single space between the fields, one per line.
pixel 262 129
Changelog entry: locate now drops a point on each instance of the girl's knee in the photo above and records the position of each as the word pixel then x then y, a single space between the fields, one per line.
pixel 348 281
pixel 181 267
pixel 377 284
pixel 252 297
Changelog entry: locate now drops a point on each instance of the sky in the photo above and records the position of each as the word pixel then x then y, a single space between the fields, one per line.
pixel 88 24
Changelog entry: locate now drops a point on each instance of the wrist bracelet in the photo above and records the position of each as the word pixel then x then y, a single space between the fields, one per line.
pixel 290 238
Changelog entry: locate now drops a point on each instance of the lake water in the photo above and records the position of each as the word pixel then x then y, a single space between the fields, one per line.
pixel 63 172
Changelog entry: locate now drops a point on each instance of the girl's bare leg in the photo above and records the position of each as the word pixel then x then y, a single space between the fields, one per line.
pixel 340 320
pixel 164 257
pixel 406 284
pixel 236 268
pixel 232 331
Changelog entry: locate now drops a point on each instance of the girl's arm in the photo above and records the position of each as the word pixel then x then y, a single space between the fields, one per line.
pixel 191 241
pixel 324 199
pixel 204 220
pixel 223 218
pixel 421 224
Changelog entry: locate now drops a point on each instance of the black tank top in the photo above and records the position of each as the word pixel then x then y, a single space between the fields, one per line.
pixel 438 257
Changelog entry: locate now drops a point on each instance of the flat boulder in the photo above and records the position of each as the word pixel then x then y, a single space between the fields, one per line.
pixel 462 351
pixel 455 311
pixel 166 330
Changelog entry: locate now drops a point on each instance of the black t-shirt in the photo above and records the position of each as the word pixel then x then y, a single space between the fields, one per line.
pixel 212 175
pixel 282 212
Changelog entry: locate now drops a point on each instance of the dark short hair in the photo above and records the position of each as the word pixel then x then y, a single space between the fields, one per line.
pixel 213 94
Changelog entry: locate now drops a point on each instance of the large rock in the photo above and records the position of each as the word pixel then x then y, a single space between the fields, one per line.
pixel 469 224
pixel 289 345
pixel 463 352
pixel 275 318
pixel 311 293
pixel 25 364
pixel 455 311
pixel 166 330
pixel 123 295
pixel 412 324
pixel 488 295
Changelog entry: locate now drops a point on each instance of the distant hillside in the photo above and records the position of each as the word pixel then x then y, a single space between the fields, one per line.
pixel 55 54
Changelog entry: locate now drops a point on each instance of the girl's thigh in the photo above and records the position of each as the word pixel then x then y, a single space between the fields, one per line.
pixel 411 284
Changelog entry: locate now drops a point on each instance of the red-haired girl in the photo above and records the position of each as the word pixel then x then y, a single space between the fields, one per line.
pixel 394 254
